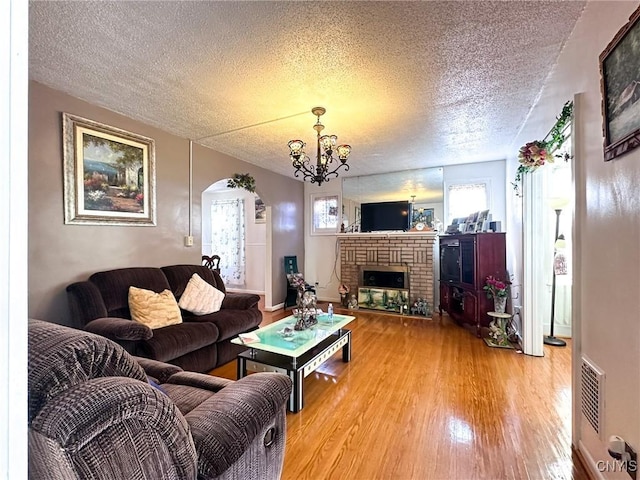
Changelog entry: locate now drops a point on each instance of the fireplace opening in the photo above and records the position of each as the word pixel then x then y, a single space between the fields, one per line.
pixel 384 276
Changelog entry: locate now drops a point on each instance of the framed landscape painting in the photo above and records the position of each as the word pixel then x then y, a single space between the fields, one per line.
pixel 620 84
pixel 109 175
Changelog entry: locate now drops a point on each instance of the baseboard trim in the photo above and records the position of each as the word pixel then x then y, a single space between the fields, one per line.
pixel 588 462
pixel 241 290
pixel 562 331
pixel 274 308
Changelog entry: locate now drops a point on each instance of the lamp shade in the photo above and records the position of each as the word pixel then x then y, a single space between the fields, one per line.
pixel 558 203
pixel 343 151
pixel 296 147
pixel 328 142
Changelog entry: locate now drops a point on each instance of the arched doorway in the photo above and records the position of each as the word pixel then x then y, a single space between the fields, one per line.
pixel 234 226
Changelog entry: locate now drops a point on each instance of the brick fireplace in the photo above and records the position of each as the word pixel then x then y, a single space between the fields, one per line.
pixel 408 251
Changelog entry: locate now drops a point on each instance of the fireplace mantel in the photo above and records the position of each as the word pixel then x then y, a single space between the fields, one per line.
pixel 411 249
pixel 388 234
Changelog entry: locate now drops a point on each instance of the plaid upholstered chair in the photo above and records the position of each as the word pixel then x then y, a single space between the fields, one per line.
pixel 94 412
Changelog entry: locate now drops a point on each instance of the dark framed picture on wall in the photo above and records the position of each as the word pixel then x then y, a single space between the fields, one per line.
pixel 620 85
pixel 109 174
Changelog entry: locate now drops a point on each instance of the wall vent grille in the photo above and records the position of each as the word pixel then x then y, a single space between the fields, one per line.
pixel 592 394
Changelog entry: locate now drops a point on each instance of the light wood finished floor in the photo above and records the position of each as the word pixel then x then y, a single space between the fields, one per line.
pixel 426 399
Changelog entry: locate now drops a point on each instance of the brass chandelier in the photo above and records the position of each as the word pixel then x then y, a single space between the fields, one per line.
pixel 323 169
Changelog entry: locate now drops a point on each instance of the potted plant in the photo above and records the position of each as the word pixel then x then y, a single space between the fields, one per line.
pixel 497 290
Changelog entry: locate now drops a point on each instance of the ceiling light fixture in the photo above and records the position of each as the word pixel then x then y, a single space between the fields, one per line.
pixel 321 171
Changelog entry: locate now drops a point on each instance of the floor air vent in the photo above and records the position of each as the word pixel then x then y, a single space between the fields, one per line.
pixel 592 390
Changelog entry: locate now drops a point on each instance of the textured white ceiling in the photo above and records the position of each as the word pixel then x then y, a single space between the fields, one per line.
pixel 407 84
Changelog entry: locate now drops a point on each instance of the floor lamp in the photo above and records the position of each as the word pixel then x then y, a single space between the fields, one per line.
pixel 557 205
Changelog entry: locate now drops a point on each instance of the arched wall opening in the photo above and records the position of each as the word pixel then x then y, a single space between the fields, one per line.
pixel 220 236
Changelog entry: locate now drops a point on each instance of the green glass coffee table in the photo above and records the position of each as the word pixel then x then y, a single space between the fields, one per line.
pixel 295 353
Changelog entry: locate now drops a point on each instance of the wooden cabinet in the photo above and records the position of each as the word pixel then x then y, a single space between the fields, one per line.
pixel 466 260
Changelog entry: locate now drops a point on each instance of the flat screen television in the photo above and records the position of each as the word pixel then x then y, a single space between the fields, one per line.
pixel 384 216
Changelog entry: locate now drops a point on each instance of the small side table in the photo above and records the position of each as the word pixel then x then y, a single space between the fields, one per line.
pixel 498 328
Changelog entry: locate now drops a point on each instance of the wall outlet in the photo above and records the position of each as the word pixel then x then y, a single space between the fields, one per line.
pixel 188 241
pixel 517 309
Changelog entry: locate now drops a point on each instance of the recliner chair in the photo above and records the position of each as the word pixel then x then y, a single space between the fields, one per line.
pixel 95 413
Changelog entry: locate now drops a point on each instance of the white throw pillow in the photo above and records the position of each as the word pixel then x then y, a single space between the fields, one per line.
pixel 155 310
pixel 200 297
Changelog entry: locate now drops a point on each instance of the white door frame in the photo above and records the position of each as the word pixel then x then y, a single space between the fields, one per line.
pixel 532 203
pixel 535 232
pixel 14 127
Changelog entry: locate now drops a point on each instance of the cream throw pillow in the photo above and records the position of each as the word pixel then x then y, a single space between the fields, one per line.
pixel 155 310
pixel 200 297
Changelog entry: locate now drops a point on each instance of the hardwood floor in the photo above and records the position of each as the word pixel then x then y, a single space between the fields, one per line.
pixel 426 399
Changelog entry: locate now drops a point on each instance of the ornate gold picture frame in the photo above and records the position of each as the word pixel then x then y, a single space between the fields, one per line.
pixel 109 175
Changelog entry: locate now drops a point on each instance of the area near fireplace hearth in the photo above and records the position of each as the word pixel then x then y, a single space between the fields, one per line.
pixel 397 262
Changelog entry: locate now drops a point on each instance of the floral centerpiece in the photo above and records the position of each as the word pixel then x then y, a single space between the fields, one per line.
pixel 495 288
pixel 498 291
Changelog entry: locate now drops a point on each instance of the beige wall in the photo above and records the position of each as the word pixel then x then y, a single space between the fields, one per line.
pixel 60 254
pixel 607 235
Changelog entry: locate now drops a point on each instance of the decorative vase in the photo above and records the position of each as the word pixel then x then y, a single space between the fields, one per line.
pixel 499 304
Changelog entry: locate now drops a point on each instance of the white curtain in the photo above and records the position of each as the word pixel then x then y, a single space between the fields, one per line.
pixel 228 239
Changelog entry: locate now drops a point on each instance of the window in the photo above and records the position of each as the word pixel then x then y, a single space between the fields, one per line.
pixel 228 239
pixel 466 198
pixel 324 214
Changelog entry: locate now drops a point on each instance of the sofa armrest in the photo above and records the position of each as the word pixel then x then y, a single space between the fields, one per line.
pixel 240 301
pixel 160 371
pixel 85 302
pixel 224 426
pixel 119 329
pixel 199 380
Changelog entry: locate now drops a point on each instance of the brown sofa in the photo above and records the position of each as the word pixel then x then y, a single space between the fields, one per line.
pixel 198 344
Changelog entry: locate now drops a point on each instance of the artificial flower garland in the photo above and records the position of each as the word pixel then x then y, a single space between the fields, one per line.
pixel 531 156
pixel 537 153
